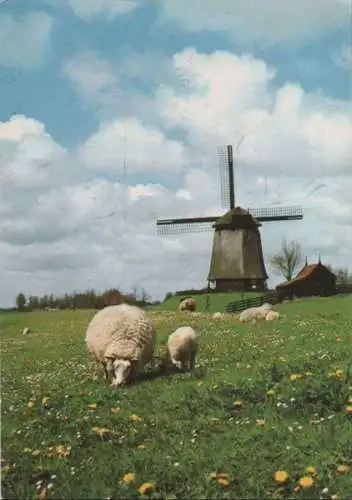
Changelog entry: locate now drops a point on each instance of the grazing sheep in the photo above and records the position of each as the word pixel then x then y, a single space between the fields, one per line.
pixel 26 331
pixel 272 315
pixel 217 315
pixel 253 314
pixel 182 346
pixel 188 305
pixel 122 338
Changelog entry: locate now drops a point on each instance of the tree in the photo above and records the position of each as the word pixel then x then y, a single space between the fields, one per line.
pixel 21 301
pixel 343 277
pixel 286 260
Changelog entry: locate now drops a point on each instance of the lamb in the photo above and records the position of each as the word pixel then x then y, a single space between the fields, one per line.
pixel 182 347
pixel 188 305
pixel 122 338
pixel 272 315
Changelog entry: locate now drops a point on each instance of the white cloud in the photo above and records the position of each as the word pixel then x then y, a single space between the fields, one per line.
pixel 91 75
pixel 68 221
pixel 113 88
pixel 145 149
pixel 89 9
pixel 270 22
pixel 24 42
pixel 287 131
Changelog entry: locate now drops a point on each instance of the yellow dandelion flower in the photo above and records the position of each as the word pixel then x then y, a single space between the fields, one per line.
pixel 45 401
pixel 260 422
pixel 145 487
pixel 295 376
pixel 311 470
pixel 281 476
pixel 129 478
pixel 61 451
pixel 237 403
pixel 136 418
pixel 141 447
pixel 341 469
pixel 270 392
pixel 306 482
pixel 222 481
pixel 222 475
pixel 93 406
pixel 349 410
pixel 349 401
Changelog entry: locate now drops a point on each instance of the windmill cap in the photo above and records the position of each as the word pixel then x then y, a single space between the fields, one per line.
pixel 237 218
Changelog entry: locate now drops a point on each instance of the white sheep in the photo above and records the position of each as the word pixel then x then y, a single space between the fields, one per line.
pixel 188 305
pixel 217 315
pixel 272 315
pixel 182 347
pixel 253 314
pixel 122 338
pixel 26 331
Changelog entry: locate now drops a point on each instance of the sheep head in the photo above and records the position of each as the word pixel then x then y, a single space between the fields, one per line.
pixel 120 369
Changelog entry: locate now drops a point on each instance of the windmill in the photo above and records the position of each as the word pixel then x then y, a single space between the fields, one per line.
pixel 237 261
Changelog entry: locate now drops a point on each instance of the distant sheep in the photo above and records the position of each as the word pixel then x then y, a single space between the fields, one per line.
pixel 182 347
pixel 272 315
pixel 189 305
pixel 26 331
pixel 217 315
pixel 122 338
pixel 253 314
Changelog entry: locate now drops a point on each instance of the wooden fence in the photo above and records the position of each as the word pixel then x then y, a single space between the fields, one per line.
pixel 272 297
pixel 241 305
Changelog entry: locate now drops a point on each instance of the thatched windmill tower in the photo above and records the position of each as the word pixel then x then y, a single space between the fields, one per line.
pixel 237 261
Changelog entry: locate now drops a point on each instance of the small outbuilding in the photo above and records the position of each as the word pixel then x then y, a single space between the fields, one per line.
pixel 312 280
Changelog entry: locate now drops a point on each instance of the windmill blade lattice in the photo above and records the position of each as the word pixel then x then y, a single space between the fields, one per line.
pixel 183 227
pixel 226 176
pixel 277 213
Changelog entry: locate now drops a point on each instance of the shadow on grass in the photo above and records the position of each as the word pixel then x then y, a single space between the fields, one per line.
pixel 161 372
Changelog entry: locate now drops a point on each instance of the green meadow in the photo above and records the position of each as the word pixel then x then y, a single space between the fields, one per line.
pixel 267 413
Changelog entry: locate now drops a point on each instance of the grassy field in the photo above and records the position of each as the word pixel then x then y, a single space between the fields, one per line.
pixel 264 399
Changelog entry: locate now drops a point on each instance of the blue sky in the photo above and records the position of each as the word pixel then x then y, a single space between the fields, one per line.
pixel 85 83
pixel 43 93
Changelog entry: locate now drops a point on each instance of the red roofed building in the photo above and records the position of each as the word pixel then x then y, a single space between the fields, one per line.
pixel 312 279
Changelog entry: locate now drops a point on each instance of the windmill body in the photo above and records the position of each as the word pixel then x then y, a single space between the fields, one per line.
pixel 237 261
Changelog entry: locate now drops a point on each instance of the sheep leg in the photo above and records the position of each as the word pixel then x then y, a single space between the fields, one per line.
pixel 192 360
pixel 106 373
pixel 178 364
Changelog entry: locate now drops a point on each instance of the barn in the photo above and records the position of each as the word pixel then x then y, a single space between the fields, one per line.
pixel 312 279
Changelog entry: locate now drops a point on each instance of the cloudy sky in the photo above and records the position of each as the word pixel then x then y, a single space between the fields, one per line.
pixel 111 113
